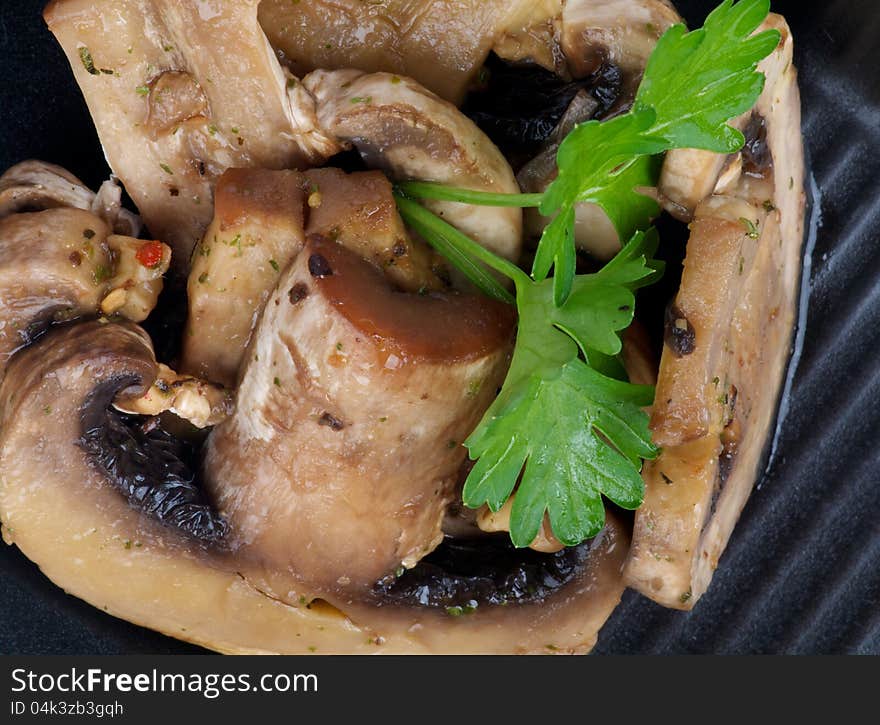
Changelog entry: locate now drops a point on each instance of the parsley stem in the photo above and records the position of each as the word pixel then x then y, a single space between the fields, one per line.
pixel 460 250
pixel 440 192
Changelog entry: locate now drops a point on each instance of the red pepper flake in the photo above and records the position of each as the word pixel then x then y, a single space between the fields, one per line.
pixel 150 254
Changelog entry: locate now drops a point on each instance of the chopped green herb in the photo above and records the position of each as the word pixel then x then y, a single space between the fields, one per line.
pixel 277 381
pixel 143 90
pixel 212 129
pixel 101 274
pixel 383 419
pixel 166 168
pixel 751 230
pixel 89 233
pixel 127 543
pixel 86 57
pixel 274 265
pixel 234 129
pixel 203 277
pixel 361 99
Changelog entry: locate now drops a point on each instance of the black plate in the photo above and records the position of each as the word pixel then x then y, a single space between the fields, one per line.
pixel 802 571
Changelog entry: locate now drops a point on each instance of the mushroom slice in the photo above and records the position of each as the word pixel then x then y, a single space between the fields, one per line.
pixel 179 92
pixel 256 231
pixel 345 444
pixel 690 175
pixel 261 218
pixel 405 129
pixel 62 263
pixel 622 32
pixel 724 359
pixel 607 42
pixel 62 505
pixel 440 43
pixel 37 185
pixel 64 510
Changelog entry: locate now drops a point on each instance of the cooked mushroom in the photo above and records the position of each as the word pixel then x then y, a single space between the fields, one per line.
pixel 201 403
pixel 36 185
pixel 620 32
pixel 439 43
pixel 260 223
pixel 180 92
pixel 63 263
pixel 604 46
pixel 399 126
pixel 726 348
pixel 256 231
pixel 98 498
pixel 344 447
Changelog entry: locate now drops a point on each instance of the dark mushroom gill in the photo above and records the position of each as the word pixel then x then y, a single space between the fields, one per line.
pixel 155 470
pixel 465 573
pixel 518 105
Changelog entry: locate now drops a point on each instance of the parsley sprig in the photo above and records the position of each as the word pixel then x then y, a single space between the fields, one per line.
pixel 694 84
pixel 566 429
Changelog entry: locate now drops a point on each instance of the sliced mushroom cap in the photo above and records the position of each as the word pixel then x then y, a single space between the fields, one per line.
pixel 62 263
pixel 341 456
pixel 37 185
pixel 179 92
pixel 256 231
pixel 727 345
pixel 622 32
pixel 60 505
pixel 608 41
pixel 439 43
pixel 405 129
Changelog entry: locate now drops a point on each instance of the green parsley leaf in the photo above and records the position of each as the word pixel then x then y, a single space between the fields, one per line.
pixel 566 429
pixel 697 81
pixel 567 433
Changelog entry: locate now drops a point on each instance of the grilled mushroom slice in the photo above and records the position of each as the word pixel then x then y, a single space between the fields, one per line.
pixel 63 263
pixel 594 54
pixel 727 344
pixel 180 92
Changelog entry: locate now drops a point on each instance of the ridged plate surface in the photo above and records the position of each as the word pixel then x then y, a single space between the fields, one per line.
pixel 802 571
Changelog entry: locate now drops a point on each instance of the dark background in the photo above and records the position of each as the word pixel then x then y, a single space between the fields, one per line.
pixel 802 571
